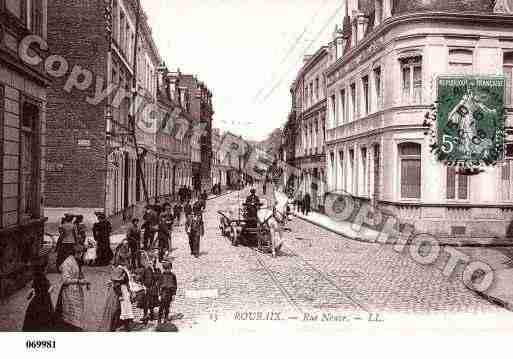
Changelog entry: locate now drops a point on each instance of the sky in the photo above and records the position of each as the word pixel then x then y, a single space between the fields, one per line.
pixel 247 52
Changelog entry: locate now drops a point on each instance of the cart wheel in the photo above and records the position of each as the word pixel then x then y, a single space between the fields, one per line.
pixel 234 237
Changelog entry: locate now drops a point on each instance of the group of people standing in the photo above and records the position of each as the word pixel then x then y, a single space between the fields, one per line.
pixel 303 203
pixel 142 251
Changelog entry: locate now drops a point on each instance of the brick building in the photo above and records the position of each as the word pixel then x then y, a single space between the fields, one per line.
pixel 22 139
pixel 380 83
pixel 92 155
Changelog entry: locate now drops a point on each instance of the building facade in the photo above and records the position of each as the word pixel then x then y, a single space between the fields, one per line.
pixel 23 116
pixel 201 112
pixel 219 166
pixel 306 127
pixel 381 81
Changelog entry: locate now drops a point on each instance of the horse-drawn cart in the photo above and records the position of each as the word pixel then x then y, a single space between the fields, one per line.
pixel 245 228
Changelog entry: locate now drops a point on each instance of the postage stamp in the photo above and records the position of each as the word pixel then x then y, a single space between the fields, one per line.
pixel 470 120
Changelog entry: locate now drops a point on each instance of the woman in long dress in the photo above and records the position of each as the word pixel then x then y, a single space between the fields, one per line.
pixel 70 303
pixel 118 310
pixel 101 233
pixel 39 316
pixel 67 239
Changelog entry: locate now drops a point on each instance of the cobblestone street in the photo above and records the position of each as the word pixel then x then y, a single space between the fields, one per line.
pixel 321 281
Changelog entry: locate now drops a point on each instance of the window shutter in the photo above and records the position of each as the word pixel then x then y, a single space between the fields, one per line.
pixel 462 186
pixel 451 183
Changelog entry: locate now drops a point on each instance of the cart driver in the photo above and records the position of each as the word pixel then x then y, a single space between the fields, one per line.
pixel 253 199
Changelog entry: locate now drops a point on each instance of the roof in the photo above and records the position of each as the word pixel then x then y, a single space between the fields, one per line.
pixel 409 6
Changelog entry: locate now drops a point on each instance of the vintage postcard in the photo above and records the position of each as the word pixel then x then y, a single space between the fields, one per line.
pixel 313 167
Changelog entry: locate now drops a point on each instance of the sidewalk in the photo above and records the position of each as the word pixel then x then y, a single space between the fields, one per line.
pixel 498 257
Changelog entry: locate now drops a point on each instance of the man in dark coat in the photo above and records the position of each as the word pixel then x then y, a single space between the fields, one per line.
pixel 133 236
pixel 150 224
pixel 187 208
pixel 177 210
pixel 101 233
pixel 164 231
pixel 195 229
pixel 306 204
pixel 167 287
pixel 203 198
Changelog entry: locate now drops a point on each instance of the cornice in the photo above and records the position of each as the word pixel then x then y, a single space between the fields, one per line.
pixel 501 20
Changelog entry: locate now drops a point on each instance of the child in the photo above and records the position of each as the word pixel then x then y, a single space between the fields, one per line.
pixel 167 288
pixel 39 316
pixel 90 255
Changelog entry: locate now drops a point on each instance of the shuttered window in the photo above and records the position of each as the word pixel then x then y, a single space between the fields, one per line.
pixel 456 184
pixel 410 167
pixel 508 75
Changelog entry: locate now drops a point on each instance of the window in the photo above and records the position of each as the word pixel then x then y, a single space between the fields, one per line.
pixel 508 74
pixel 115 21
pixel 411 69
pixel 312 100
pixel 317 94
pixel 29 169
pixel 333 171
pixel 334 110
pixel 340 180
pixel 353 102
pixel 377 89
pixel 378 17
pixel 1 151
pixel 37 17
pixel 460 61
pixel 122 35
pixel 377 187
pixel 352 173
pixel 457 185
pixel 364 170
pixel 507 173
pixel 366 99
pixel 342 106
pixel 410 170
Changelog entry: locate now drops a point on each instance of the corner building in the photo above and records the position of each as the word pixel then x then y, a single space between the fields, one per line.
pixel 381 80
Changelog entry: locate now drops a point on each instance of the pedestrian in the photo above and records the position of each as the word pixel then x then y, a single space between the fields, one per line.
pixel 177 211
pixel 101 234
pixel 187 209
pixel 157 207
pixel 118 310
pixel 90 254
pixel 123 255
pixel 39 316
pixel 80 229
pixel 69 311
pixel 165 228
pixel 150 226
pixel 195 229
pixel 306 204
pixel 149 279
pixel 134 242
pixel 203 198
pixel 67 239
pixel 167 289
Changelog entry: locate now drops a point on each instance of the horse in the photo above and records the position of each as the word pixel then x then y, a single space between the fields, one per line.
pixel 274 218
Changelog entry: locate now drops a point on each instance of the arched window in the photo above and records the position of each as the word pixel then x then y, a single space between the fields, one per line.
pixel 410 169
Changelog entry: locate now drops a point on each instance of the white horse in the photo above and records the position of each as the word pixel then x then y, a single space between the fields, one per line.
pixel 275 219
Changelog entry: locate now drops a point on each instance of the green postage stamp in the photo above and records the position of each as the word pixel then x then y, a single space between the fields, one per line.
pixel 470 120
